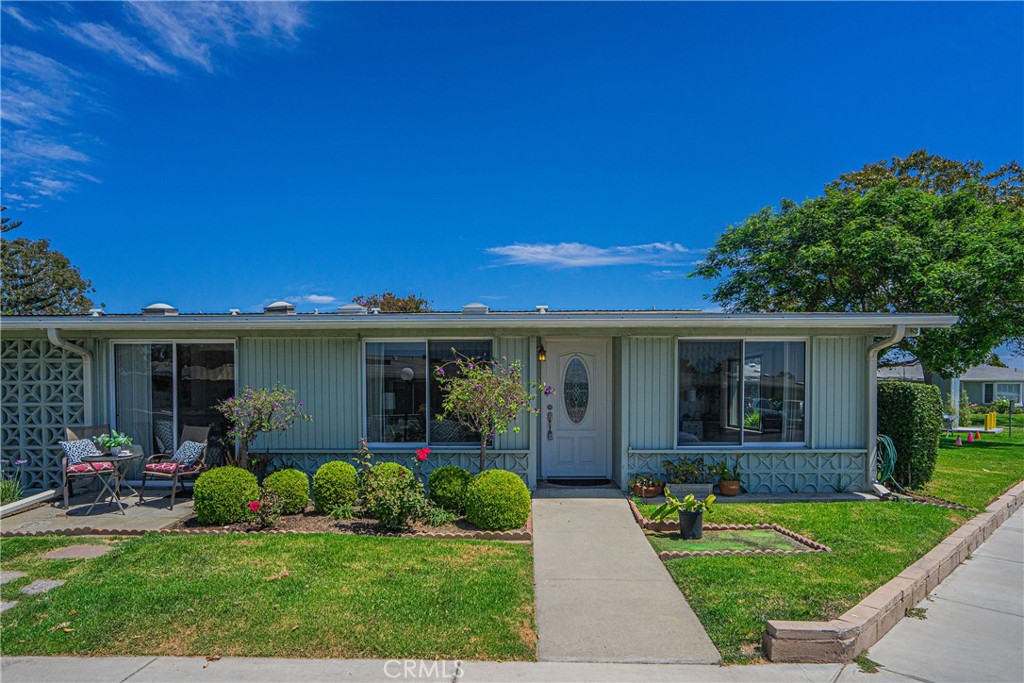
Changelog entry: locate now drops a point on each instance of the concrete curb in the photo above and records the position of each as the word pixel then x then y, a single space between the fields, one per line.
pixel 27 503
pixel 863 625
pixel 812 546
pixel 525 535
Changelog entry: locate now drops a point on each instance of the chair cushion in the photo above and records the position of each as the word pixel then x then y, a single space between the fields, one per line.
pixel 169 468
pixel 90 467
pixel 188 452
pixel 76 450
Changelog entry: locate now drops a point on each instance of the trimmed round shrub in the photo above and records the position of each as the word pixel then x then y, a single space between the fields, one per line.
pixel 392 494
pixel 448 488
pixel 222 496
pixel 497 500
pixel 292 487
pixel 335 484
pixel 910 414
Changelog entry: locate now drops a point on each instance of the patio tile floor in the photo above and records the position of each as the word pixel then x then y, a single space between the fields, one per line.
pixel 152 515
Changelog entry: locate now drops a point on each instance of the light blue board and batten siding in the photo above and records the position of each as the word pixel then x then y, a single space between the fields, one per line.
pixel 327 374
pixel 837 396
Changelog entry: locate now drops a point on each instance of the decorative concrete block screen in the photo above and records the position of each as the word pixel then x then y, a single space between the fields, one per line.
pixel 807 471
pixel 41 392
pixel 513 461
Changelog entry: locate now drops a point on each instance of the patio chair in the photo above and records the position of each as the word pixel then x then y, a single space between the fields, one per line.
pixel 82 470
pixel 164 465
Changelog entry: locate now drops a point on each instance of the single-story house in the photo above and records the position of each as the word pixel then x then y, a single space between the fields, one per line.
pixel 983 383
pixel 791 395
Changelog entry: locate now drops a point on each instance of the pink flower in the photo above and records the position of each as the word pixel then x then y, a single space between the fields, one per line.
pixel 254 506
pixel 422 453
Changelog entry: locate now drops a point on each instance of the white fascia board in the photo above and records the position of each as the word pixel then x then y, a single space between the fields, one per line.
pixel 526 321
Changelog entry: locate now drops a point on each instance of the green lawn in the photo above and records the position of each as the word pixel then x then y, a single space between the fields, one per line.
pixel 296 595
pixel 976 473
pixel 871 542
pixel 738 539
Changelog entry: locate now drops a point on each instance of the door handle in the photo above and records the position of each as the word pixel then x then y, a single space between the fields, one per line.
pixel 551 436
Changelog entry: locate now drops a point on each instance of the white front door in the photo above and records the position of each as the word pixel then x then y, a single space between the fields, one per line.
pixel 576 420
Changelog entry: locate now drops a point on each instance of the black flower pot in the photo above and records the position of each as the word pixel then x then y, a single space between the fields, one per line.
pixel 691 525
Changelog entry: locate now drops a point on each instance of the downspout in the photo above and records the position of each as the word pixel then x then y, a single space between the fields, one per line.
pixel 872 432
pixel 86 355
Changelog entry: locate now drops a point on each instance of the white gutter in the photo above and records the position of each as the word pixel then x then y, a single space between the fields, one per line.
pixel 53 334
pixel 895 338
pixel 523 321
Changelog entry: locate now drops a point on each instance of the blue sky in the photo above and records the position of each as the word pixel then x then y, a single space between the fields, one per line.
pixel 576 155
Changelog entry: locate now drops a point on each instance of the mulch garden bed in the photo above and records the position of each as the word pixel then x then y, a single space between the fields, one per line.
pixel 310 522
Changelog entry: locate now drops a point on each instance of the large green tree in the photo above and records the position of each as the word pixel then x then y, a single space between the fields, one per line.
pixel 886 247
pixel 389 302
pixel 38 280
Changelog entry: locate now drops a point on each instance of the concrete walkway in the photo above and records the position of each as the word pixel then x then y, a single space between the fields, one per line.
pixel 602 593
pixel 973 629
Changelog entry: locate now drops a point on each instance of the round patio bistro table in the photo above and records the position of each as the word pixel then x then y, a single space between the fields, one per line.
pixel 113 489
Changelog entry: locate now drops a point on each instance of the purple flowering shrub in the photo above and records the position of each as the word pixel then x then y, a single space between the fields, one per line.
pixel 259 411
pixel 486 396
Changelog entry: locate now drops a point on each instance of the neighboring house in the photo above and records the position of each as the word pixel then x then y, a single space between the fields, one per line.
pixel 983 383
pixel 986 383
pixel 791 395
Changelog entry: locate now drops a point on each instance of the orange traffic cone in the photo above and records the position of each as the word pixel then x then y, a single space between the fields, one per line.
pixel 977 436
pixel 959 441
pixel 970 437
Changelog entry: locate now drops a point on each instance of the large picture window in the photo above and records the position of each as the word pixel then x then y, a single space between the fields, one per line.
pixel 402 398
pixel 733 392
pixel 161 388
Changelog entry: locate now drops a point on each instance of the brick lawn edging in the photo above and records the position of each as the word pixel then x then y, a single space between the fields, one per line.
pixel 864 624
pixel 511 536
pixel 812 546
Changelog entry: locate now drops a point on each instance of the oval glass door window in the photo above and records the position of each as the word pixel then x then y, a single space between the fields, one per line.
pixel 576 390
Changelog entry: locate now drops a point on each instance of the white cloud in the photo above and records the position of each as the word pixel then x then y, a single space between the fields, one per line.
pixel 319 299
pixel 188 30
pixel 16 14
pixel 579 255
pixel 106 38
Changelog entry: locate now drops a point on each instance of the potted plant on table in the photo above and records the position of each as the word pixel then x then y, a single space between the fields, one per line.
pixel 113 442
pixel 691 514
pixel 728 478
pixel 688 476
pixel 646 486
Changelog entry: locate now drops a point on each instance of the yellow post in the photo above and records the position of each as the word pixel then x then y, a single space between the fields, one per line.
pixel 990 421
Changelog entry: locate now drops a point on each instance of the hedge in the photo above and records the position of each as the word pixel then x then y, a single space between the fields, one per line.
pixel 335 484
pixel 497 500
pixel 292 487
pixel 222 495
pixel 910 413
pixel 448 488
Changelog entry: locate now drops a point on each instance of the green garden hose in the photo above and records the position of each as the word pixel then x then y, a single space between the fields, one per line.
pixel 885 460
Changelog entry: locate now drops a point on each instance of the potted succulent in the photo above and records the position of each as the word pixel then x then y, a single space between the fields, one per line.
pixel 688 476
pixel 646 486
pixel 691 513
pixel 113 442
pixel 728 479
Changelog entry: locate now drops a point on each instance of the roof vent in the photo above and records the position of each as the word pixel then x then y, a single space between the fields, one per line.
pixel 280 308
pixel 159 309
pixel 352 309
pixel 375 310
pixel 235 311
pixel 96 312
pixel 541 309
pixel 475 308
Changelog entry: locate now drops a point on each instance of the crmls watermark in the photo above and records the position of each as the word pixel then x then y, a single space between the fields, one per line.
pixel 423 669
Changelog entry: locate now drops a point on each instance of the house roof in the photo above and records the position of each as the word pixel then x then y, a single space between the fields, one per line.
pixel 472 317
pixel 991 373
pixel 913 372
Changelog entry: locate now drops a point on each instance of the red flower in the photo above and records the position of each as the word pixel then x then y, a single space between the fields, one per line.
pixel 422 453
pixel 254 506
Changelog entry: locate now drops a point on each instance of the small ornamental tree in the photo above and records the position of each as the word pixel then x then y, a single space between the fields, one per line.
pixel 259 411
pixel 486 396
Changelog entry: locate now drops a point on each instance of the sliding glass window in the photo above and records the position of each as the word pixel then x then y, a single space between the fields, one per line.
pixel 402 398
pixel 733 393
pixel 161 388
